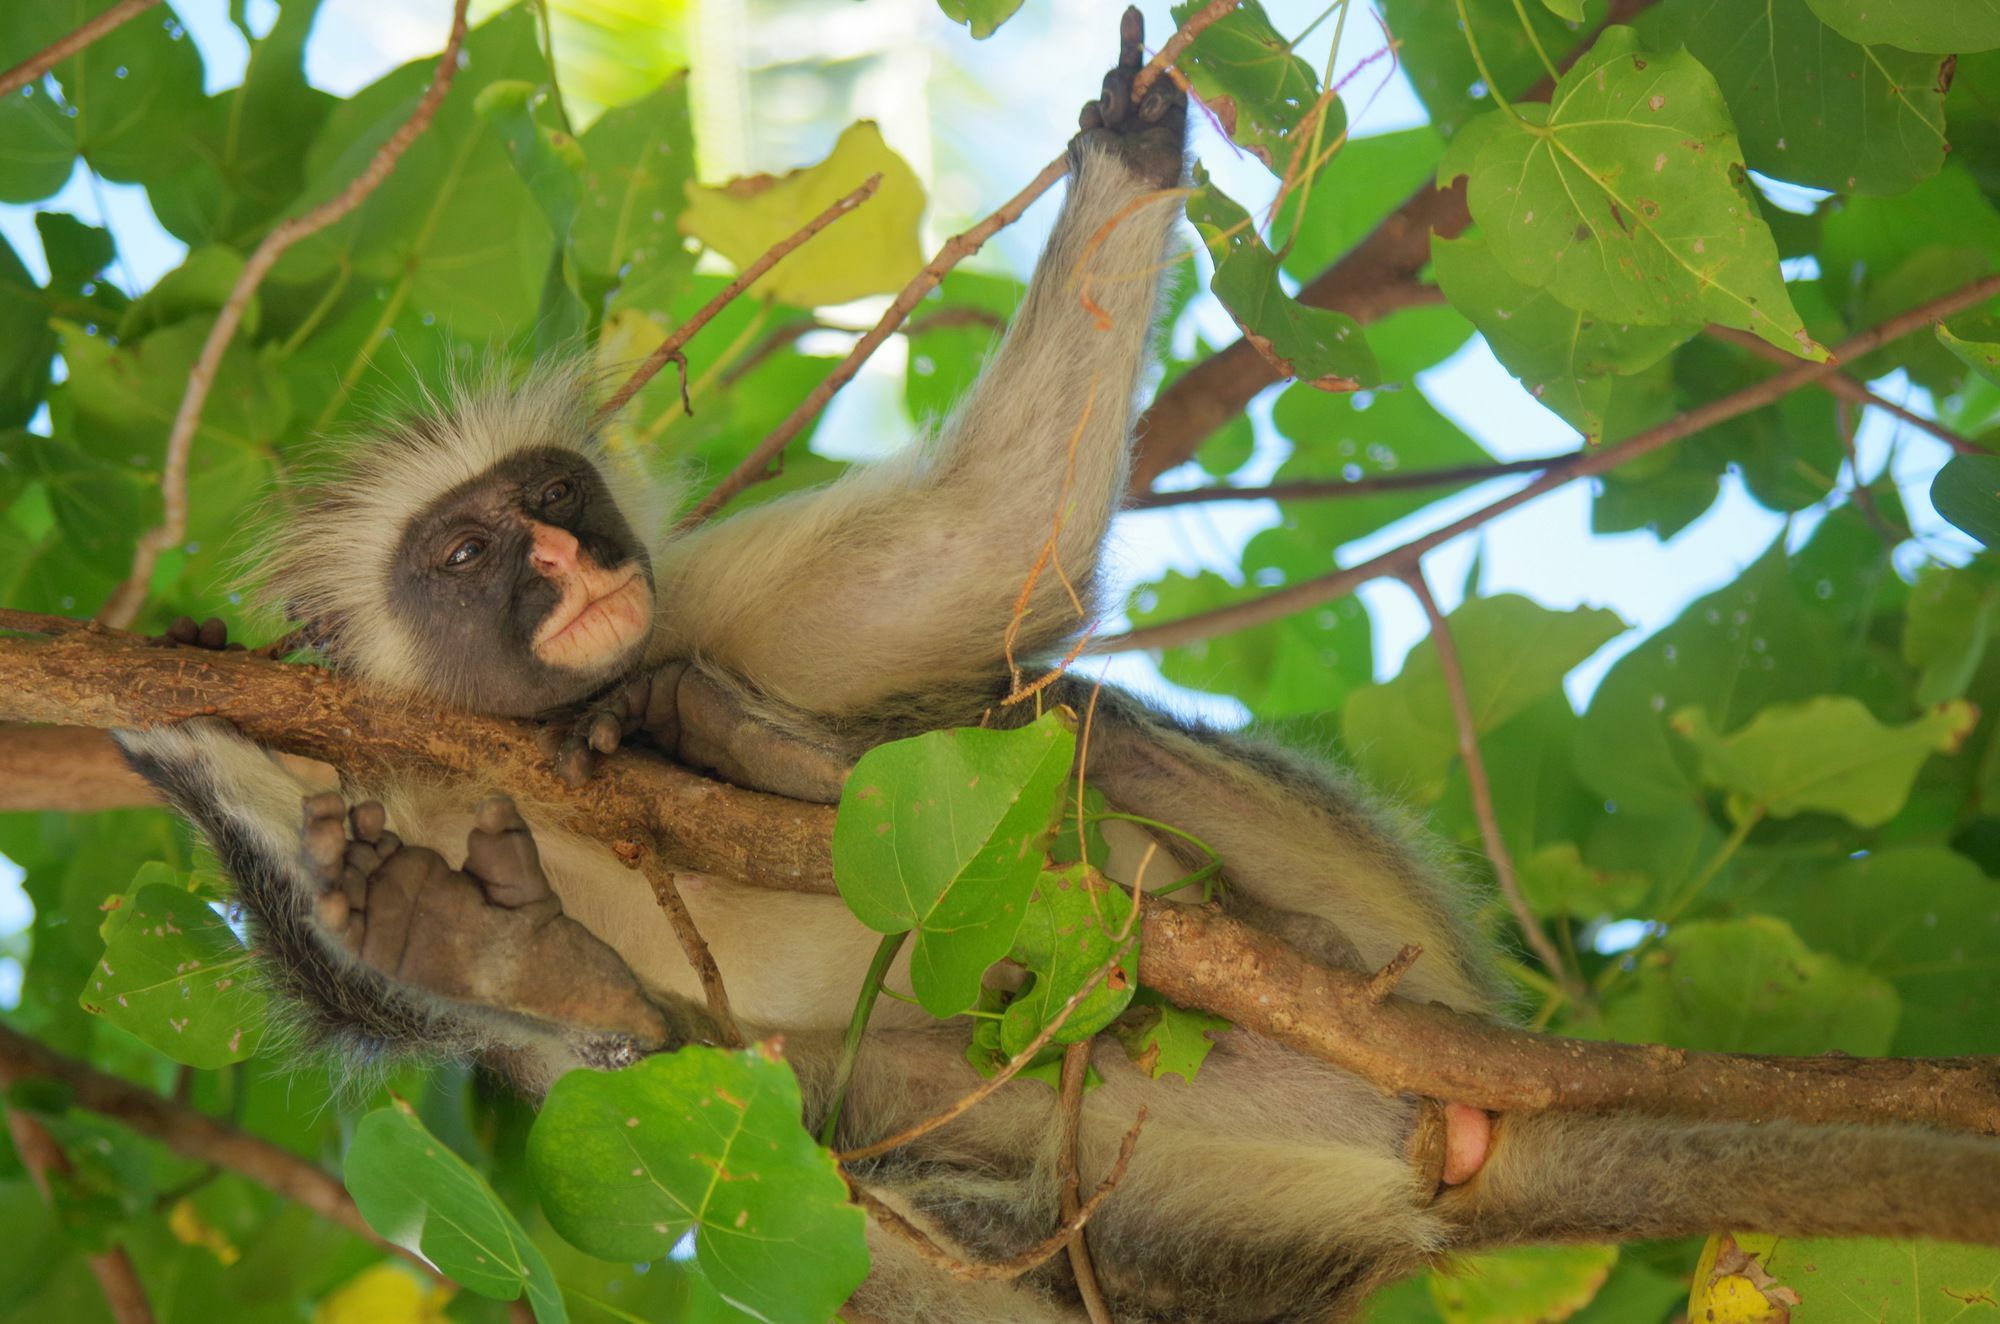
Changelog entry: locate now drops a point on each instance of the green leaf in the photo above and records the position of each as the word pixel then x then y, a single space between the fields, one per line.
pixel 1951 618
pixel 1260 93
pixel 1067 936
pixel 945 834
pixel 174 975
pixel 1826 755
pixel 200 284
pixel 1915 916
pixel 249 157
pixel 549 160
pixel 1524 1286
pixel 1975 339
pixel 1625 197
pixel 1846 1281
pixel 709 1142
pixel 874 254
pixel 1873 122
pixel 638 160
pixel 26 342
pixel 1163 1039
pixel 1570 10
pixel 1318 346
pixel 984 17
pixel 1436 51
pixel 1305 663
pixel 1556 881
pixel 1955 28
pixel 418 1194
pixel 1564 358
pixel 134 91
pixel 1750 986
pixel 1513 651
pixel 37 142
pixel 1966 491
pixel 1375 176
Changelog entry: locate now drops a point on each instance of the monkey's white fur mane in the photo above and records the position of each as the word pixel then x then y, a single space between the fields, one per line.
pixel 328 548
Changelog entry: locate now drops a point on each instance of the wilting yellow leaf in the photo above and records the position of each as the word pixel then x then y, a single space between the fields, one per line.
pixel 873 252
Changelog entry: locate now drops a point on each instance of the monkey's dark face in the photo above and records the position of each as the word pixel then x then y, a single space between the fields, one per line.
pixel 526 584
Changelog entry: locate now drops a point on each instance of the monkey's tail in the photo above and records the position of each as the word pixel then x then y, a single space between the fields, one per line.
pixel 248 807
pixel 1616 1176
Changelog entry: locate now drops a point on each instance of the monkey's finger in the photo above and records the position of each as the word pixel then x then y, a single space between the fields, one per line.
pixel 368 818
pixel 1160 101
pixel 575 764
pixel 387 844
pixel 500 853
pixel 1131 38
pixel 214 634
pixel 1116 101
pixel 362 857
pixel 182 630
pixel 1092 117
pixel 323 841
pixel 604 732
pixel 333 911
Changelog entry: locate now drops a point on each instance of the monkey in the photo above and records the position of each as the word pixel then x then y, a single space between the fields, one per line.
pixel 494 554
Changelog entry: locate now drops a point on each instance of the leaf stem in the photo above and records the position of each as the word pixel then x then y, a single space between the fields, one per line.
pixel 1479 61
pixel 857 1025
pixel 1534 39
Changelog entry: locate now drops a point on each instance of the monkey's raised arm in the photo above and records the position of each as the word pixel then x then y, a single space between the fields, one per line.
pixel 904 576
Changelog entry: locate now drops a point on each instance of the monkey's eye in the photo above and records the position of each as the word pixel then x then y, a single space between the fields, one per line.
pixel 463 555
pixel 556 493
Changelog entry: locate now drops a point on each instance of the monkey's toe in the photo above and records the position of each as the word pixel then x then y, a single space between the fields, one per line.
pixel 500 854
pixel 211 634
pixel 323 840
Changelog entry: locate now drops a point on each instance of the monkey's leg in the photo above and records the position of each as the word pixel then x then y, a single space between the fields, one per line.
pixel 492 933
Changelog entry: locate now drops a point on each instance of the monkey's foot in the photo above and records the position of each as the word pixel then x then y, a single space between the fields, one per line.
pixel 212 635
pixel 492 933
pixel 1147 131
pixel 695 719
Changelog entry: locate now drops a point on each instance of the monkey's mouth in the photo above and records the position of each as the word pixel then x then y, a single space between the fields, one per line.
pixel 600 616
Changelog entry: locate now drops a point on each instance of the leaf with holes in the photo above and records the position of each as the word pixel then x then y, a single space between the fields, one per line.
pixel 1068 936
pixel 1163 1039
pixel 1262 94
pixel 1316 345
pixel 708 1142
pixel 174 975
pixel 945 834
pixel 1625 196
pixel 1827 755
pixel 417 1193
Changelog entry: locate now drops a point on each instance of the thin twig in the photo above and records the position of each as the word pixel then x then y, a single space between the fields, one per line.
pixel 955 250
pixel 1844 387
pixel 1075 1070
pixel 1383 982
pixel 45 1161
pixel 1014 1265
pixel 1497 853
pixel 125 602
pixel 1311 592
pixel 792 332
pixel 667 892
pixel 189 1133
pixel 1309 489
pixel 32 68
pixel 984 1090
pixel 670 348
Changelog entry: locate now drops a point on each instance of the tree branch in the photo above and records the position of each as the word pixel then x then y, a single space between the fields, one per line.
pixel 189 1133
pixel 125 602
pixel 32 68
pixel 1191 955
pixel 1075 1071
pixel 112 1267
pixel 1308 489
pixel 66 768
pixel 1400 560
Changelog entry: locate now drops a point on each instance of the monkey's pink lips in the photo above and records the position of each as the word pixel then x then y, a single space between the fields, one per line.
pixel 587 627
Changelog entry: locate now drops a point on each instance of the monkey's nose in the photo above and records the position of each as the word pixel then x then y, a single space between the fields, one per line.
pixel 554 550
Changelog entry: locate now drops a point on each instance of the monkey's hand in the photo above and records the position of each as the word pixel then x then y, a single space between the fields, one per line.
pixel 492 933
pixel 212 635
pixel 1149 132
pixel 697 719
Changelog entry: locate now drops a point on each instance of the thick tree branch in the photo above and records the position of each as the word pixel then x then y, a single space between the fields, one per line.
pixel 28 70
pixel 125 602
pixel 189 1133
pixel 66 768
pixel 1400 560
pixel 1192 955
